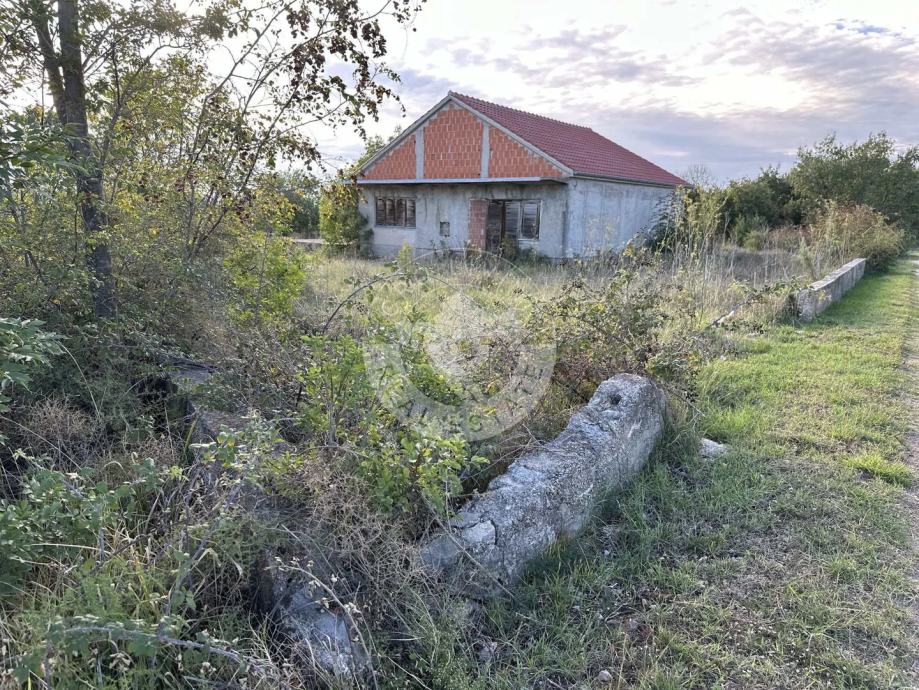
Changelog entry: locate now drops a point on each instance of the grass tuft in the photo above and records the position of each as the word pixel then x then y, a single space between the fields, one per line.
pixel 873 465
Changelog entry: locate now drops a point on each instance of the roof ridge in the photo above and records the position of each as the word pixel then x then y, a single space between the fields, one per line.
pixel 517 110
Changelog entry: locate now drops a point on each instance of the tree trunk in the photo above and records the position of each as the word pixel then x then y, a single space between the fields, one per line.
pixel 71 107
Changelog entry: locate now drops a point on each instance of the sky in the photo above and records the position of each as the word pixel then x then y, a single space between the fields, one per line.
pixel 732 86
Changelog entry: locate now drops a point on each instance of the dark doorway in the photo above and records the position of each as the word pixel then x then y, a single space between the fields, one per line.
pixel 506 220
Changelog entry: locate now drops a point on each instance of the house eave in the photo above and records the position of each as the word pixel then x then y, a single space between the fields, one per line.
pixel 466 180
pixel 623 180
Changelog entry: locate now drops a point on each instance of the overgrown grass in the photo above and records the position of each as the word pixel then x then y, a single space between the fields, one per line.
pixel 716 279
pixel 785 563
pixel 781 564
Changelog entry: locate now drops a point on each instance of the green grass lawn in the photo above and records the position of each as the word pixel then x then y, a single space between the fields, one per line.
pixel 785 564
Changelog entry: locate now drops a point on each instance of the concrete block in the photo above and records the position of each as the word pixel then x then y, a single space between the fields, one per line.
pixel 814 299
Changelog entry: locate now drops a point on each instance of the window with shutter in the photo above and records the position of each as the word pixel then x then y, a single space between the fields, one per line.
pixel 529 228
pixel 511 220
pixel 409 213
pixel 395 212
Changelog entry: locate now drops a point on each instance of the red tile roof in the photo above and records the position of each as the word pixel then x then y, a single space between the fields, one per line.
pixel 579 148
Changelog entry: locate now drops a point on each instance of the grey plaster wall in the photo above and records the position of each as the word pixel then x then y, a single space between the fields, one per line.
pixel 435 203
pixel 814 299
pixel 577 218
pixel 606 215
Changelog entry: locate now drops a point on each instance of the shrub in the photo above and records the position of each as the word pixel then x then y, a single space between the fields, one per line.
pixel 62 433
pixel 107 580
pixel 692 221
pixel 859 231
pixel 341 225
pixel 405 470
pixel 768 198
pixel 22 344
pixel 631 323
pixel 55 516
pixel 749 231
pixel 267 275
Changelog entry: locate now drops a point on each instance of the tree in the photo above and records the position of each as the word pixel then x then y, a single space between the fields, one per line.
pixel 109 67
pixel 303 192
pixel 341 225
pixel 869 172
pixel 767 200
pixel 64 69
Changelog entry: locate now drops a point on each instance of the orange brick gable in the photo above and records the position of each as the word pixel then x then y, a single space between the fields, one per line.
pixel 453 145
pixel 507 158
pixel 398 164
pixel 452 140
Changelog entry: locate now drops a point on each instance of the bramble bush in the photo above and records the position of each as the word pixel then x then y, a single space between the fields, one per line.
pixel 54 517
pixel 630 323
pixel 406 471
pixel 141 577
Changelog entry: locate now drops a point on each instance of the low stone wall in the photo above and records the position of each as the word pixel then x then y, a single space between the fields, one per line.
pixel 550 493
pixel 814 299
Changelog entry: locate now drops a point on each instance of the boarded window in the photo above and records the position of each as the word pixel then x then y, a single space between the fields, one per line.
pixel 512 219
pixel 395 211
pixel 409 213
pixel 529 229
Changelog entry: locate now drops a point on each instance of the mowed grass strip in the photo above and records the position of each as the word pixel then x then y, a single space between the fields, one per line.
pixel 785 564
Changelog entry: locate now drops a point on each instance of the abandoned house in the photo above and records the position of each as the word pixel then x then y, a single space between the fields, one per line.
pixel 473 173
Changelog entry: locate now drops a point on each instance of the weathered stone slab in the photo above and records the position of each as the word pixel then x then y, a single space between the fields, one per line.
pixel 322 637
pixel 549 494
pixel 814 299
pixel 710 450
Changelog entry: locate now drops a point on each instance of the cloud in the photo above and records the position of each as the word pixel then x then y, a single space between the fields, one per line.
pixel 586 56
pixel 678 83
pixel 730 147
pixel 859 78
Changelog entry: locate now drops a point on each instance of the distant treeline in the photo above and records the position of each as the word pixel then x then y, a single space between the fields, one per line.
pixel 876 173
